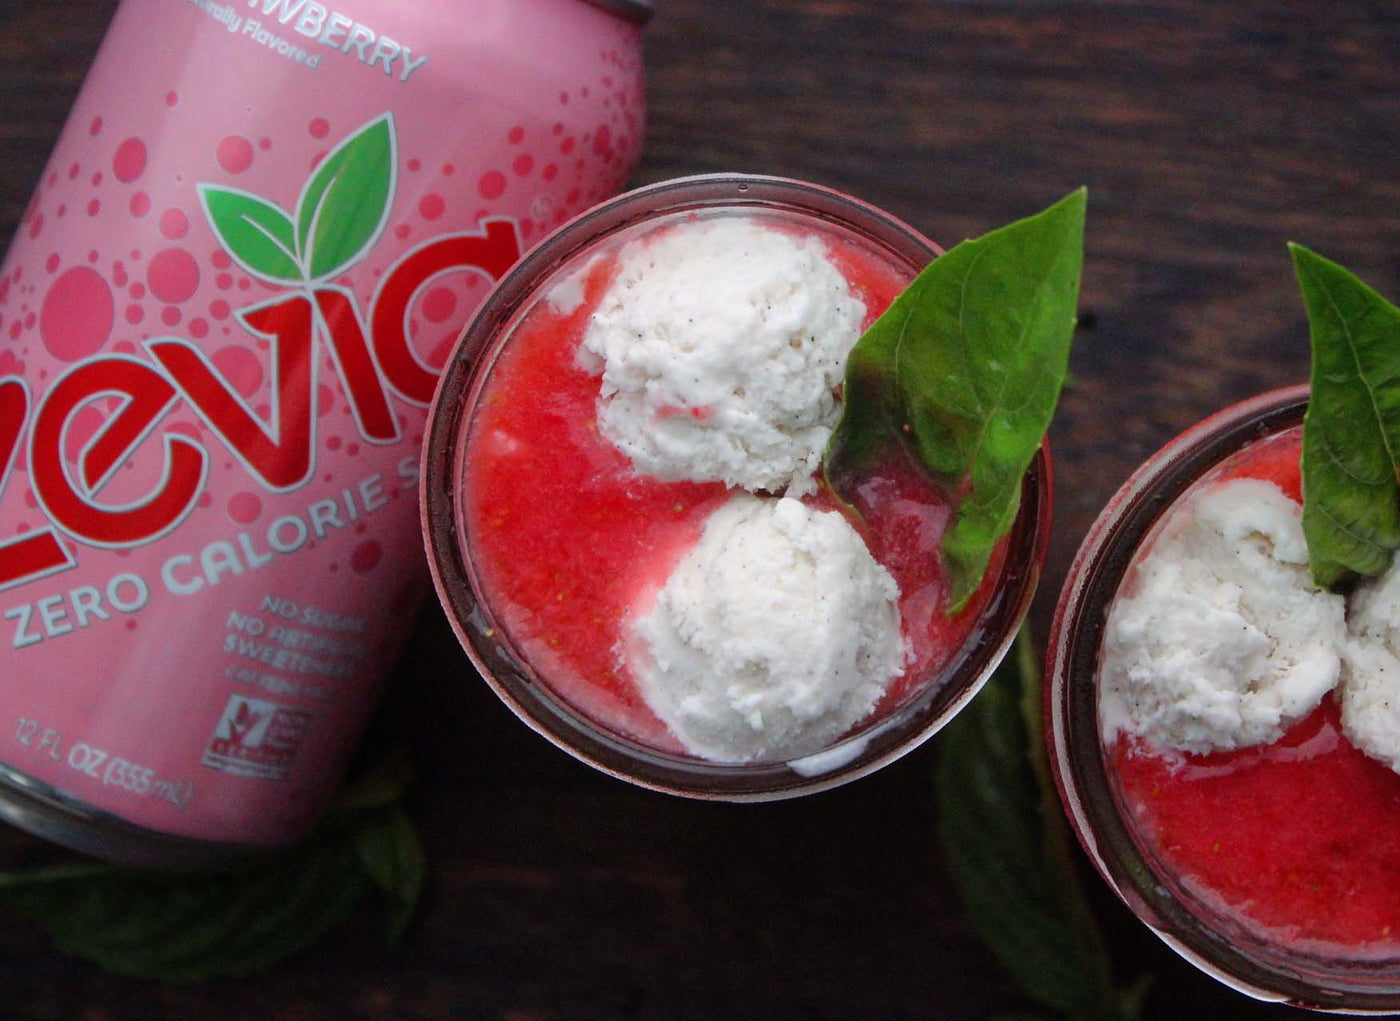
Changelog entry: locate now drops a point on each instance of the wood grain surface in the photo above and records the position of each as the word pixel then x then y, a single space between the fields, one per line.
pixel 1208 134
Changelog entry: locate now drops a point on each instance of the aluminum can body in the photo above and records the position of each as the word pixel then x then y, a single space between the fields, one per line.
pixel 221 324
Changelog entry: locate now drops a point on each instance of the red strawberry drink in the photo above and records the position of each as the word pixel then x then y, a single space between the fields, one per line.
pixel 627 516
pixel 1227 778
pixel 223 320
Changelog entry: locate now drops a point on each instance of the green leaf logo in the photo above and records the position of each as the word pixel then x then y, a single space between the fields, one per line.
pixel 257 234
pixel 341 212
pixel 345 205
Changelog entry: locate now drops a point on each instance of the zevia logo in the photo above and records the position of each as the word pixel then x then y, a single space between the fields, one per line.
pixel 339 215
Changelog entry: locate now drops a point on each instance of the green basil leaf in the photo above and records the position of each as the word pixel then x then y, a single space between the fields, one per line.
pixel 965 367
pixel 1008 851
pixel 346 202
pixel 1351 433
pixel 391 854
pixel 256 233
pixel 186 927
pixel 190 926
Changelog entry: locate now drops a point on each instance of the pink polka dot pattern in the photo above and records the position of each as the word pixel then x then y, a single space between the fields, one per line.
pixel 235 154
pixel 77 314
pixel 431 206
pixel 492 184
pixel 366 556
pixel 173 275
pixel 174 224
pixel 240 367
pixel 439 304
pixel 129 162
pixel 244 508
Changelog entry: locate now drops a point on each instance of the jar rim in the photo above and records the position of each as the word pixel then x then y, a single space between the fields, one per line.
pixel 1250 964
pixel 640 11
pixel 563 724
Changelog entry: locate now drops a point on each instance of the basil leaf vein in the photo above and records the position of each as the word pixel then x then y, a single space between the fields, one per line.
pixel 1351 432
pixel 963 370
pixel 1009 852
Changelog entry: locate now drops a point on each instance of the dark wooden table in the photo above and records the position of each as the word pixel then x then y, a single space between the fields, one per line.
pixel 1208 134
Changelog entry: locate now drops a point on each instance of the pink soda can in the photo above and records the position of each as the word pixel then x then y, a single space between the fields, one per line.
pixel 221 324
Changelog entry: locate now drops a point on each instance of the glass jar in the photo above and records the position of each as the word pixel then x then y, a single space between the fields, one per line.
pixel 891 730
pixel 1250 957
